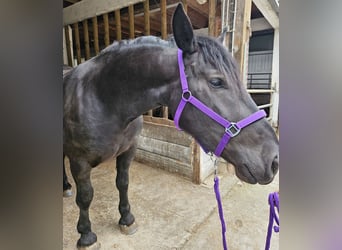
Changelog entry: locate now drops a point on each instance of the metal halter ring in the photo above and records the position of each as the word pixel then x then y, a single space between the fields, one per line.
pixel 186 95
pixel 233 129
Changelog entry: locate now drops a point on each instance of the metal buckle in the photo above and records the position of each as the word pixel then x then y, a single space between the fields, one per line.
pixel 233 129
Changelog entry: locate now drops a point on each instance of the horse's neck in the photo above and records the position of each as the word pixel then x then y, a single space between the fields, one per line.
pixel 146 76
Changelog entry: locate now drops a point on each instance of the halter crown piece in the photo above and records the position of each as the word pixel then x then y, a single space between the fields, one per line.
pixel 231 129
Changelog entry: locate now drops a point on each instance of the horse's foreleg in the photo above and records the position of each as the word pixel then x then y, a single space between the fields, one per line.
pixel 126 222
pixel 81 173
pixel 66 185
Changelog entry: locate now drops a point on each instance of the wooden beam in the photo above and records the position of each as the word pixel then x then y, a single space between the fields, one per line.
pixel 118 25
pixel 268 12
pixel 131 21
pixel 106 29
pixel 68 45
pixel 77 42
pixel 258 24
pixel 241 35
pixel 89 8
pixel 212 15
pixel 147 18
pixel 86 39
pixel 96 35
pixel 203 9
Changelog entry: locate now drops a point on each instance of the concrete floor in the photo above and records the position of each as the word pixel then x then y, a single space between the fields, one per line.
pixel 173 213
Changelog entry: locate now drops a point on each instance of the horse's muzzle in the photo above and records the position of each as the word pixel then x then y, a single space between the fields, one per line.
pixel 270 172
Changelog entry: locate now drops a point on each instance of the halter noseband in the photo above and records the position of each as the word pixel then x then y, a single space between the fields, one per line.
pixel 232 129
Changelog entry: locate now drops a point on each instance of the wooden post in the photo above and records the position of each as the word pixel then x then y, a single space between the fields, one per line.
pixel 147 30
pixel 68 45
pixel 96 35
pixel 164 36
pixel 241 35
pixel 147 18
pixel 86 39
pixel 77 42
pixel 106 29
pixel 118 25
pixel 275 80
pixel 131 21
pixel 212 14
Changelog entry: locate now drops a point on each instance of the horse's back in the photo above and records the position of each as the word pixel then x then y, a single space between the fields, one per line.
pixel 90 131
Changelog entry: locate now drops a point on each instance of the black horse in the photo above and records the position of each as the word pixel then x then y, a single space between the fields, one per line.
pixel 105 97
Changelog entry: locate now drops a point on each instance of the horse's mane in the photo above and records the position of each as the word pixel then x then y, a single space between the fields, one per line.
pixel 212 52
pixel 143 40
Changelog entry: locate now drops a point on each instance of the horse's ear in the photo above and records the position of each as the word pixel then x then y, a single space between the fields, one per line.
pixel 220 39
pixel 182 30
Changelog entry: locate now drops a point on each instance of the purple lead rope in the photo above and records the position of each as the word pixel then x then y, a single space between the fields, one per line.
pixel 273 201
pixel 219 204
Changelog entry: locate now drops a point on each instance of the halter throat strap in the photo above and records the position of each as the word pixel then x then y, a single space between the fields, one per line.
pixel 231 129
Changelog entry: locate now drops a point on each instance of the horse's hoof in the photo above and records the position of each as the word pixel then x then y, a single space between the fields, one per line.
pixel 95 246
pixel 67 193
pixel 88 241
pixel 128 230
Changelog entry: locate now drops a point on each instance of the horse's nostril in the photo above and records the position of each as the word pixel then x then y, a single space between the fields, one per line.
pixel 275 164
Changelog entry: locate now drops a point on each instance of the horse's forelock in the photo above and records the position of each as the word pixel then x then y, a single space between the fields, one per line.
pixel 218 56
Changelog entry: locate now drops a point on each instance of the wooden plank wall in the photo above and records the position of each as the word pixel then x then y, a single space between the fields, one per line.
pixel 165 147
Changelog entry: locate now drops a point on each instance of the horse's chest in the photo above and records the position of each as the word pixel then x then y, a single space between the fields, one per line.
pixel 120 141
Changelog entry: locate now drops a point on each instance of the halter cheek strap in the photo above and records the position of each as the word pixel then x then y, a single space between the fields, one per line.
pixel 231 129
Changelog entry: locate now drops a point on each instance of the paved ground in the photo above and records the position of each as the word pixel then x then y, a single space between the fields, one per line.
pixel 173 213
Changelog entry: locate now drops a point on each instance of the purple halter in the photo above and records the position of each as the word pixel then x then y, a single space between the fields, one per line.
pixel 232 129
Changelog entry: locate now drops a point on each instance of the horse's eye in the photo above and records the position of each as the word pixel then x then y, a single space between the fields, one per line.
pixel 216 83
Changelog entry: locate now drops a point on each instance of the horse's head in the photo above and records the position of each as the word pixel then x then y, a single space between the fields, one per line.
pixel 213 78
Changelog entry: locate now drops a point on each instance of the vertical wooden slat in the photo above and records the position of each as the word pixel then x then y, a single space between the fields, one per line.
pixel 185 4
pixel 77 42
pixel 106 29
pixel 212 14
pixel 131 21
pixel 164 36
pixel 86 39
pixel 195 162
pixel 147 30
pixel 68 45
pixel 147 18
pixel 163 19
pixel 118 25
pixel 241 35
pixel 165 112
pixel 96 35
